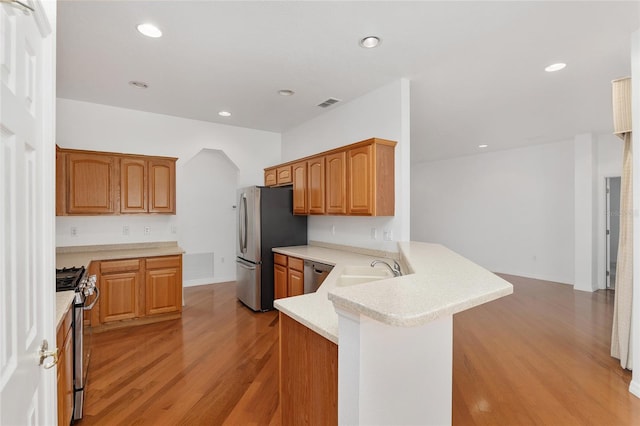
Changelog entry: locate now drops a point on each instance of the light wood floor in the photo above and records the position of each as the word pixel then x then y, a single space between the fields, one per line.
pixel 537 357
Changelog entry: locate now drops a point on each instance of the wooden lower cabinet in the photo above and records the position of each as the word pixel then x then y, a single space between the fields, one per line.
pixel 308 375
pixel 64 343
pixel 120 288
pixel 138 291
pixel 279 276
pixel 288 276
pixel 164 285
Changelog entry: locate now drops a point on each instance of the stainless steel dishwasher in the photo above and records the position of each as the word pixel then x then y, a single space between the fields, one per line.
pixel 314 275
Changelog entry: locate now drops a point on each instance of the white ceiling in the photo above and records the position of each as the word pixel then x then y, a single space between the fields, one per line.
pixel 476 68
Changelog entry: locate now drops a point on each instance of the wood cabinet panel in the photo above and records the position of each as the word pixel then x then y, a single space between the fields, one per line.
pixel 64 343
pixel 115 266
pixel 279 259
pixel 284 175
pixel 133 185
pixel 316 185
pixel 91 184
pixel 279 281
pixel 336 178
pixel 308 375
pixel 119 298
pixel 61 182
pixel 162 194
pixel 163 285
pixel 360 186
pixel 299 173
pixel 270 177
pixel 296 264
pixel 295 284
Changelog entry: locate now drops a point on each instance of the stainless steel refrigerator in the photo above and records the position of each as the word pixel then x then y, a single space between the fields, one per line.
pixel 265 221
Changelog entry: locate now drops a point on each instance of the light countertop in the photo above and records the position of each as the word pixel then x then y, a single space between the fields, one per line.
pixel 83 255
pixel 437 283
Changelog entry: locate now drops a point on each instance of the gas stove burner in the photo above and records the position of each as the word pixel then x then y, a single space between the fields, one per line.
pixel 69 278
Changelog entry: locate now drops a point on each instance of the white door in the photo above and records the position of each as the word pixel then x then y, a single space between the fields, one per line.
pixel 27 187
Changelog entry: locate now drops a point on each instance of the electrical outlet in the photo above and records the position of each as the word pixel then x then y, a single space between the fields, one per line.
pixel 147 230
pixel 388 235
pixel 333 230
pixel 74 231
pixel 374 233
pixel 222 260
pixel 125 230
pixel 174 229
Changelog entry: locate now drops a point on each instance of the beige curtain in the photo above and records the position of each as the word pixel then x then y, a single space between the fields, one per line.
pixel 621 333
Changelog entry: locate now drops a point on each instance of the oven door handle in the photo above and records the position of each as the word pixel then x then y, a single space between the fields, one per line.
pixel 88 308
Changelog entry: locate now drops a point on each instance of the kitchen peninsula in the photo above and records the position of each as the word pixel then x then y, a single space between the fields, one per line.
pixel 393 336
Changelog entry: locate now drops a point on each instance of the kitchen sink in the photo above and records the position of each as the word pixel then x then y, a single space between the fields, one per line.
pixel 378 271
pixel 352 275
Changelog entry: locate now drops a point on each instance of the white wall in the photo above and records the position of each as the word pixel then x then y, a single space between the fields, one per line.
pixel 514 211
pixel 83 125
pixel 382 113
pixel 509 211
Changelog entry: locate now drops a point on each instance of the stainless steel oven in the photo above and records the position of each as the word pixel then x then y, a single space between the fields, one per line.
pixel 86 297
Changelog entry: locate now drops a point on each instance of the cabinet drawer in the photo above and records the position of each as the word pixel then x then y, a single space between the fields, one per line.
pixel 284 175
pixel 114 266
pixel 279 259
pixel 163 262
pixel 296 264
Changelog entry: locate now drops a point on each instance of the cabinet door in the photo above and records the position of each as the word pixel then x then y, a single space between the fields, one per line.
pixel 315 189
pixel 133 185
pixel 336 173
pixel 284 175
pixel 162 186
pixel 360 188
pixel 163 283
pixel 64 342
pixel 119 296
pixel 299 172
pixel 270 177
pixel 91 183
pixel 295 283
pixel 279 281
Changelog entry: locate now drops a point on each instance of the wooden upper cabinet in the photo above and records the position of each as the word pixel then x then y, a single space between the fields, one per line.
pixel 162 186
pixel 336 183
pixel 370 180
pixel 299 173
pixel 91 183
pixel 356 179
pixel 270 177
pixel 277 176
pixel 133 185
pixel 315 181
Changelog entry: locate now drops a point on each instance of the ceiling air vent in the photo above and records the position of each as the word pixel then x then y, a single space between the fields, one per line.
pixel 328 102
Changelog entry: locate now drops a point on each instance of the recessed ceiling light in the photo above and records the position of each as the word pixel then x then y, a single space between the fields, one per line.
pixel 370 42
pixel 139 84
pixel 483 146
pixel 224 114
pixel 285 92
pixel 149 30
pixel 555 67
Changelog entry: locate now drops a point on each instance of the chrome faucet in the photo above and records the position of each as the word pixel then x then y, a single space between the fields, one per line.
pixel 395 269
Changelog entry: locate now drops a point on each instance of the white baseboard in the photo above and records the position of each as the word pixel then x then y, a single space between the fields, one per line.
pixel 208 280
pixel 634 388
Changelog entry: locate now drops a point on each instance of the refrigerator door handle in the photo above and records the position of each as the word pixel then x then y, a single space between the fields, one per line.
pixel 242 232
